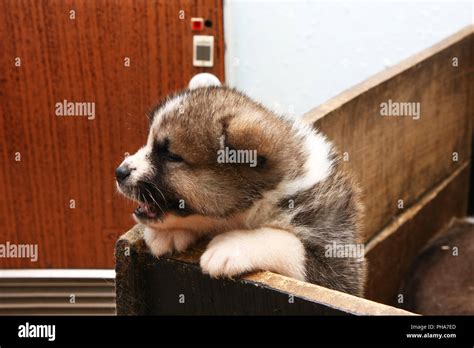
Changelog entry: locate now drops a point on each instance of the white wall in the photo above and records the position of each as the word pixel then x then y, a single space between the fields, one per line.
pixel 294 55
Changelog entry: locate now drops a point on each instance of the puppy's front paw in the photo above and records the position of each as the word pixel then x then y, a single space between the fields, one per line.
pixel 236 252
pixel 163 242
pixel 225 257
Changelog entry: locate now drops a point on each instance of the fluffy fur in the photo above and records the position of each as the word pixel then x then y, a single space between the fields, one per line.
pixel 279 215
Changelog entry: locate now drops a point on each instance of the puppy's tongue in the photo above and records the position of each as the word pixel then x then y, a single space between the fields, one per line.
pixel 148 210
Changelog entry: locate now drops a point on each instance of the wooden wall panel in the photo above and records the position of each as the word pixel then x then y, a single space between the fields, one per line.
pixel 72 158
pixel 400 158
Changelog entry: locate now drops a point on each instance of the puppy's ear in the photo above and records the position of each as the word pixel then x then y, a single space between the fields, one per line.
pixel 240 133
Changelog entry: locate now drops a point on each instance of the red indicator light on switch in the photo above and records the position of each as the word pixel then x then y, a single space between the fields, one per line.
pixel 197 24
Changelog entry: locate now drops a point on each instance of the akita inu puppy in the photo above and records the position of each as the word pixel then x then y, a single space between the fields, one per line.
pixel 276 205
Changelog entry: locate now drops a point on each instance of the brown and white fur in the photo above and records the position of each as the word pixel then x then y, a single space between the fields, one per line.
pixel 279 215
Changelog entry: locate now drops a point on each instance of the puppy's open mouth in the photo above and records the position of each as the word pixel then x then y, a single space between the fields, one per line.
pixel 147 211
pixel 155 209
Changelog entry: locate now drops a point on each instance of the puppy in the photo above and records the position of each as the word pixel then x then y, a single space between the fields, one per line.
pixel 268 191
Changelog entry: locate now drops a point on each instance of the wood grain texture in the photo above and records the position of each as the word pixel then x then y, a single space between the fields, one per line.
pixel 150 286
pixel 392 253
pixel 399 158
pixel 64 158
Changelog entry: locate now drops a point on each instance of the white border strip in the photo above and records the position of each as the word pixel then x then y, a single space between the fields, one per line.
pixel 58 273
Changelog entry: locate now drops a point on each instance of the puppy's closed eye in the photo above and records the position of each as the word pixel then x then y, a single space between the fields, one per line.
pixel 163 151
pixel 172 157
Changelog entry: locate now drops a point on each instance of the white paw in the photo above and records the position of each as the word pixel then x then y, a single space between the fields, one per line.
pixel 225 257
pixel 242 251
pixel 163 242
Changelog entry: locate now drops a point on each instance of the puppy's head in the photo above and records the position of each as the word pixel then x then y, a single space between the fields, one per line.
pixel 210 151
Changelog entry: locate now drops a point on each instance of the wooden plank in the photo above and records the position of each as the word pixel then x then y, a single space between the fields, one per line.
pixel 147 285
pixel 399 158
pixel 342 301
pixel 72 158
pixel 131 286
pixel 392 252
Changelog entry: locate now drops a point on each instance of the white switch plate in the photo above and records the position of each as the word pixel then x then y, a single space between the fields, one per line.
pixel 203 50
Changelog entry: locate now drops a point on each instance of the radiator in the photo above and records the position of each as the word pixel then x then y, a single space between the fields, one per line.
pixel 57 292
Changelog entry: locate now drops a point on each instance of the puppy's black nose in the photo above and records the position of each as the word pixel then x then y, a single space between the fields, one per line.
pixel 122 172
